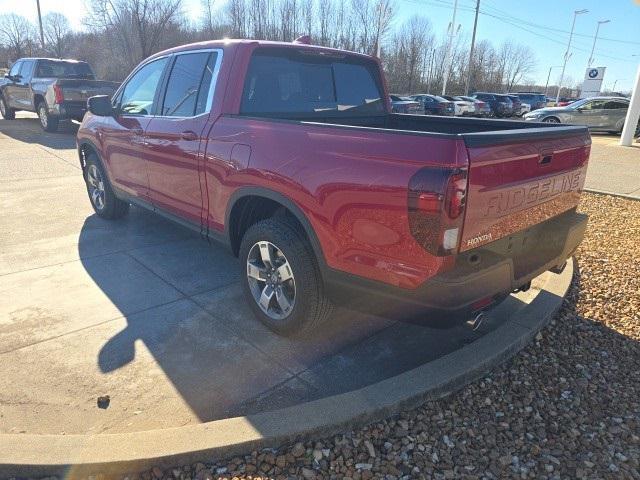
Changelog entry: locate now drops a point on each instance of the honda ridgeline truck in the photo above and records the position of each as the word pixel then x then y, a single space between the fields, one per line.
pixel 290 155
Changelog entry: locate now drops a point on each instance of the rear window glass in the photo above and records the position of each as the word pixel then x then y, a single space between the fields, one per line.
pixel 288 81
pixel 61 69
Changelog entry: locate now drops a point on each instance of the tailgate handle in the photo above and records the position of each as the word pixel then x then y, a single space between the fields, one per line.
pixel 545 160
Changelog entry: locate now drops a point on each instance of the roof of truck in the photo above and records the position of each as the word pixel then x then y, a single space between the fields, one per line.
pixel 248 42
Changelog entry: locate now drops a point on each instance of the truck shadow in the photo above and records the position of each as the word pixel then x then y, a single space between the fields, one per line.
pixel 28 130
pixel 180 297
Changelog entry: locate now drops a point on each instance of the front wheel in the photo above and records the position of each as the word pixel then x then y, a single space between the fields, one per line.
pixel 7 113
pixel 551 120
pixel 281 279
pixel 48 122
pixel 101 196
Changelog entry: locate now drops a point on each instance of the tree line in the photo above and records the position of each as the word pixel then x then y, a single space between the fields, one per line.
pixel 118 34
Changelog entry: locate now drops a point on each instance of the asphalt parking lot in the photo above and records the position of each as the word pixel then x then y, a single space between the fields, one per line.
pixel 149 314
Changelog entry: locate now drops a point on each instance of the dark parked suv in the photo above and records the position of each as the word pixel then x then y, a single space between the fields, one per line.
pixel 536 100
pixel 501 105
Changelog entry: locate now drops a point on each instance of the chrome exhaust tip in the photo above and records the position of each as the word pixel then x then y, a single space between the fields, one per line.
pixel 476 322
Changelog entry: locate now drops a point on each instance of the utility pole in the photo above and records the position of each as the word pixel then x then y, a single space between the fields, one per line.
pixel 600 22
pixel 568 52
pixel 447 58
pixel 473 44
pixel 40 24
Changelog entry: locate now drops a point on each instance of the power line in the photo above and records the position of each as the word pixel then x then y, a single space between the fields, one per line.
pixel 514 23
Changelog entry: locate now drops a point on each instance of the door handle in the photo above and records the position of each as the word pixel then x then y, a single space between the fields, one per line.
pixel 189 135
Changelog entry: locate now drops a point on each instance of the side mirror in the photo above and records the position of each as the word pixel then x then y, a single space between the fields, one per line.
pixel 100 105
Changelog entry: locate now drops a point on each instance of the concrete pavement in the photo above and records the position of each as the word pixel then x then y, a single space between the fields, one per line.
pixel 146 312
pixel 612 168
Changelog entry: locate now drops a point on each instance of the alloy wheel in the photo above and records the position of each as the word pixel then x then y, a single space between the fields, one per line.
pixel 42 113
pixel 96 187
pixel 271 280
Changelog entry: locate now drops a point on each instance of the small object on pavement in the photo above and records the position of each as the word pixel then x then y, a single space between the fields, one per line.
pixel 103 401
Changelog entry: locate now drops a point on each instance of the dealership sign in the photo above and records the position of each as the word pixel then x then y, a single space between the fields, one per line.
pixel 592 84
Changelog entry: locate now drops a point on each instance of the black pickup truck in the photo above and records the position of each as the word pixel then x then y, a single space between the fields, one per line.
pixel 55 89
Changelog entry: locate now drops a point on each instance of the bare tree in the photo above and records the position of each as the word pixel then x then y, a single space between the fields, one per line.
pixel 16 34
pixel 57 32
pixel 136 26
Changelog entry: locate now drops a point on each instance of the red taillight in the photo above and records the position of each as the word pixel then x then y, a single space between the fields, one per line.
pixel 456 194
pixel 437 199
pixel 59 95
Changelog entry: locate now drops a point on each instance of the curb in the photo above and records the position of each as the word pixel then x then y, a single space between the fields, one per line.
pixel 74 456
pixel 612 194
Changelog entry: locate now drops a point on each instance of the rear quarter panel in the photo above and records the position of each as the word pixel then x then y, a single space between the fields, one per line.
pixel 350 183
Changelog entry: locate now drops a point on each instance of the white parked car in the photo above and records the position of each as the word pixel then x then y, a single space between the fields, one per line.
pixel 470 105
pixel 462 106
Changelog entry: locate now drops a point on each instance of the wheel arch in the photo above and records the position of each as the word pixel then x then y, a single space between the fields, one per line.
pixel 236 210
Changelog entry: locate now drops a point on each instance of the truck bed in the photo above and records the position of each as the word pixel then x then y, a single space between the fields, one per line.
pixel 519 173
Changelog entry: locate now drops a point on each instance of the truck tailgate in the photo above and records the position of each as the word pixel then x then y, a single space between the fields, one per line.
pixel 519 178
pixel 80 90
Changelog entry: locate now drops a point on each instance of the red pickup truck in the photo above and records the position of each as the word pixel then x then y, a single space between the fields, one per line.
pixel 289 154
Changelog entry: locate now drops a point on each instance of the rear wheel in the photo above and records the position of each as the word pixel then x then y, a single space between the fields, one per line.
pixel 48 122
pixel 6 112
pixel 101 196
pixel 551 120
pixel 281 279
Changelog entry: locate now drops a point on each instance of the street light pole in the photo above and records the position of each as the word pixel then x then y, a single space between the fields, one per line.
pixel 473 43
pixel 447 58
pixel 40 24
pixel 600 22
pixel 567 53
pixel 546 86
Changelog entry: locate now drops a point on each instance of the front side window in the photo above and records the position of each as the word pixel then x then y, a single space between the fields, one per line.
pixel 593 105
pixel 299 82
pixel 188 85
pixel 138 95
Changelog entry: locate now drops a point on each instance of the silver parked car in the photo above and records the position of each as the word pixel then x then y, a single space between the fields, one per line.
pixel 604 114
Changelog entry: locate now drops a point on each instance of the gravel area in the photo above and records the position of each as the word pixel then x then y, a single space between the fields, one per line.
pixel 567 406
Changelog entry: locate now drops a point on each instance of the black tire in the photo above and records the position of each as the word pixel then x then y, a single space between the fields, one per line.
pixel 311 306
pixel 111 206
pixel 48 122
pixel 550 120
pixel 6 112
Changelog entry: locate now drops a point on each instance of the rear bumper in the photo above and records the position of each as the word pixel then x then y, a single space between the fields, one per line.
pixel 484 275
pixel 69 110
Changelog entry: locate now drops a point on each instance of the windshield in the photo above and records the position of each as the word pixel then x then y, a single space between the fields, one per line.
pixel 299 82
pixel 63 69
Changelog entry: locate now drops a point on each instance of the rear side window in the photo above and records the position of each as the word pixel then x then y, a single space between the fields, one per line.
pixel 289 81
pixel 615 105
pixel 62 69
pixel 188 86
